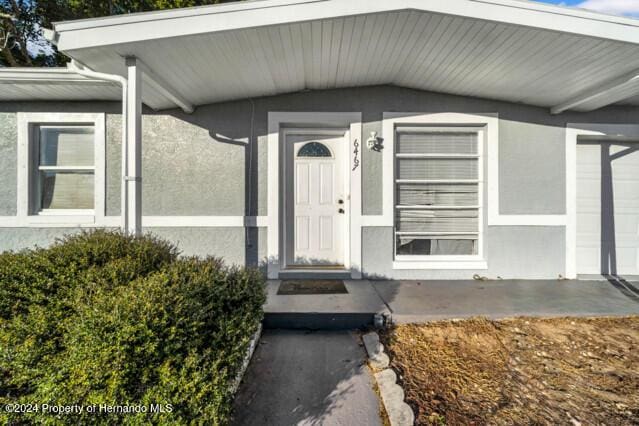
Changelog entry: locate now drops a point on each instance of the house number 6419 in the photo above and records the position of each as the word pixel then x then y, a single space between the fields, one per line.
pixel 356 152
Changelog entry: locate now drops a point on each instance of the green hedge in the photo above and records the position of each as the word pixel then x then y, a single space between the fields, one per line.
pixel 104 318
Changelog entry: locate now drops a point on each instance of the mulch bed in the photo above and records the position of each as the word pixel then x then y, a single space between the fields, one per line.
pixel 519 371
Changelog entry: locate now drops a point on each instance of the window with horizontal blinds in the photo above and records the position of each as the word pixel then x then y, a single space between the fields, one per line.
pixel 65 168
pixel 437 205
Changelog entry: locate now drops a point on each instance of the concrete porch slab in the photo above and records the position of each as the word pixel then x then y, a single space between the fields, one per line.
pixel 361 298
pixel 419 301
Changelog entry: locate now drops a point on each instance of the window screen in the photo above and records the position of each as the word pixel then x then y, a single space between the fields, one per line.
pixel 65 168
pixel 436 192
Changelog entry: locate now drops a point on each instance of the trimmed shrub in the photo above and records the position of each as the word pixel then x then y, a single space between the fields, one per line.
pixel 118 320
pixel 106 258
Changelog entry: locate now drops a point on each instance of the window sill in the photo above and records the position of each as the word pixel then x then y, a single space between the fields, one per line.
pixel 60 218
pixel 441 264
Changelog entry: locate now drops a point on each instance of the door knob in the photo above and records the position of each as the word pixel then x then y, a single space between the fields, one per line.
pixel 341 211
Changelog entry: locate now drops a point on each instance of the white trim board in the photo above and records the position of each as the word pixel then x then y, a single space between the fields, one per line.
pixel 529 220
pixel 147 222
pixel 76 221
pixel 25 122
pixel 574 132
pixel 204 221
pixel 441 264
pixel 280 120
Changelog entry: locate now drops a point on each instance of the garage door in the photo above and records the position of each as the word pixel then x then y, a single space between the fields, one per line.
pixel 608 208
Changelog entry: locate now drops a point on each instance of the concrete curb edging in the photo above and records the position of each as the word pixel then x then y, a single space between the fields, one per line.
pixel 247 359
pixel 399 413
pixel 378 359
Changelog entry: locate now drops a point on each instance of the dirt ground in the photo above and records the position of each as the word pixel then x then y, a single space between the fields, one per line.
pixel 520 371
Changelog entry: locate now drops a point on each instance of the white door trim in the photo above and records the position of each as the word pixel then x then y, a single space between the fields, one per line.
pixel 277 121
pixel 584 131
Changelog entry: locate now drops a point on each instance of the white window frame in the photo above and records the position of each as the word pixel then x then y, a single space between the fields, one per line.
pixel 486 126
pixel 27 122
pixel 480 132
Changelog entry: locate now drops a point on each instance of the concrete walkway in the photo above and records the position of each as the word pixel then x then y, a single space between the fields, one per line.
pixel 303 378
pixel 320 378
pixel 418 301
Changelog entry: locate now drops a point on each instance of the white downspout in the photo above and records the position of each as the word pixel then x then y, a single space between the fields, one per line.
pixel 82 70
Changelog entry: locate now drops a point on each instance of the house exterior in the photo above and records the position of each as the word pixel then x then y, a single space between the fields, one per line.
pixel 380 139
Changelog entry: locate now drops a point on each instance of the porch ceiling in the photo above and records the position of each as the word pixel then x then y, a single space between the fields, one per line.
pixel 29 84
pixel 464 47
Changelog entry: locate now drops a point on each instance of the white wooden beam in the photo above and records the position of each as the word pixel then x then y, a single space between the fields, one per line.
pixel 164 88
pixel 608 93
pixel 133 177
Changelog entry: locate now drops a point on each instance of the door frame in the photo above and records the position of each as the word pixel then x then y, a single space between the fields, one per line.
pixel 574 133
pixel 348 122
pixel 342 132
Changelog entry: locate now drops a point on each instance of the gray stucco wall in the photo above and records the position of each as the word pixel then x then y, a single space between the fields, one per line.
pixel 16 239
pixel 511 251
pixel 214 161
pixel 532 162
pixel 531 151
pixel 237 246
pixel 113 164
pixel 8 165
pixel 196 164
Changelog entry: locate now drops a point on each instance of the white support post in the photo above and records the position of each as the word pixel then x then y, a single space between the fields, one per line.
pixel 133 178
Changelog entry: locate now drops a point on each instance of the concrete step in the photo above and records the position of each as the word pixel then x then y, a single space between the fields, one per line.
pixel 351 310
pixel 317 320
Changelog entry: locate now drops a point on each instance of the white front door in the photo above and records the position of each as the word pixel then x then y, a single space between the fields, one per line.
pixel 315 199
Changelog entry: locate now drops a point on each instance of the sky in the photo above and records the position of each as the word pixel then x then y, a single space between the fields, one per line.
pixel 615 7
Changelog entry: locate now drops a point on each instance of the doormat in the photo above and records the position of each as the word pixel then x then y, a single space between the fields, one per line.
pixel 291 287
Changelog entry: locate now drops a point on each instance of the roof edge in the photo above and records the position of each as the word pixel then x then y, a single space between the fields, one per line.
pixel 265 4
pixel 25 75
pixel 147 26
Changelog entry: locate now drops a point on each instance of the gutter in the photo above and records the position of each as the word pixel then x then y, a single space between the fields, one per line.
pixel 86 72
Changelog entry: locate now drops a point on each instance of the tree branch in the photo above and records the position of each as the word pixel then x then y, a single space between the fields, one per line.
pixel 21 38
pixel 8 56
